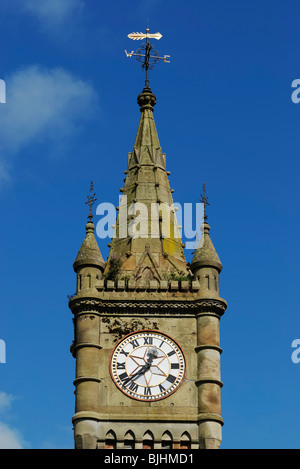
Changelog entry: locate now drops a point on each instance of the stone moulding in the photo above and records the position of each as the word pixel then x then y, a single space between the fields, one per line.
pixel 100 417
pixel 199 348
pixel 199 307
pixel 81 379
pixel 210 416
pixel 208 380
pixel 74 347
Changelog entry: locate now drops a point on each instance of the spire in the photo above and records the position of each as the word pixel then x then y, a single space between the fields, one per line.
pixel 147 242
pixel 147 184
pixel 89 253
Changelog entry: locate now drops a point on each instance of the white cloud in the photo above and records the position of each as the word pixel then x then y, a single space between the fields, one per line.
pixel 53 12
pixel 42 105
pixel 5 401
pixel 10 438
pixel 4 172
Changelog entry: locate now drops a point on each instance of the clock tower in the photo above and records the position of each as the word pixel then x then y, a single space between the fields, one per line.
pixel 146 323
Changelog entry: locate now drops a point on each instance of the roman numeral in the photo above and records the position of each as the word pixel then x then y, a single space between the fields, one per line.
pixel 134 343
pixel 124 377
pixel 175 366
pixel 120 366
pixel 147 391
pixel 133 386
pixel 161 388
pixel 148 340
pixel 171 353
pixel 124 353
pixel 171 378
pixel 128 382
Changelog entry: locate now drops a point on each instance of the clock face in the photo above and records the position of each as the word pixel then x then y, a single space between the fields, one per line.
pixel 147 365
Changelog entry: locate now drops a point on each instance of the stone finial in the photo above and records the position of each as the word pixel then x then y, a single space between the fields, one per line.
pixel 146 100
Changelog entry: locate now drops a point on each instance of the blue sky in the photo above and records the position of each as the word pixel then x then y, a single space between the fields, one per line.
pixel 224 115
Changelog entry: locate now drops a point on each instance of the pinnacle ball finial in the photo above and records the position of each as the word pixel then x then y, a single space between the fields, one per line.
pixel 146 100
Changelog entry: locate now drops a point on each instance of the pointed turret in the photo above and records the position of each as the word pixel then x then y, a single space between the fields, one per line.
pixel 147 241
pixel 205 254
pixel 89 253
pixel 89 264
pixel 206 264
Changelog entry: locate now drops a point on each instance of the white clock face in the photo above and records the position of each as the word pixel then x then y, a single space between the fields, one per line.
pixel 147 365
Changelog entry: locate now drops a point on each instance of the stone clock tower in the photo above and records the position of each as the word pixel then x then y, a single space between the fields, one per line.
pixel 146 323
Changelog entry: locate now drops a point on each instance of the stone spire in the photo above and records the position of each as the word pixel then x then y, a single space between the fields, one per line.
pixel 147 241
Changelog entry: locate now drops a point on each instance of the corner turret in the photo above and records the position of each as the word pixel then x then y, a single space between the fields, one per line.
pixel 206 265
pixel 89 264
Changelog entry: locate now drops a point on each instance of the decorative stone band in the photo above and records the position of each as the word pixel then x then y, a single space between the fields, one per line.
pixel 205 347
pixel 80 379
pixel 209 380
pixel 91 415
pixel 75 347
pixel 192 308
pixel 210 416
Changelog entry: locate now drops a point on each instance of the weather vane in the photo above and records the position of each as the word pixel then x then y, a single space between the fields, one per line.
pixel 91 199
pixel 146 54
pixel 204 201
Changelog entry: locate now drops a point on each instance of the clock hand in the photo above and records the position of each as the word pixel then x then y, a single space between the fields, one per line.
pixel 141 371
pixel 152 353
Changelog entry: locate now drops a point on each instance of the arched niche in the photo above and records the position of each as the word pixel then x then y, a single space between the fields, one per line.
pixel 129 440
pixel 148 440
pixel 110 440
pixel 167 440
pixel 185 441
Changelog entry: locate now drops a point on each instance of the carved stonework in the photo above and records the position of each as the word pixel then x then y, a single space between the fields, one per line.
pixel 121 327
pixel 197 307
